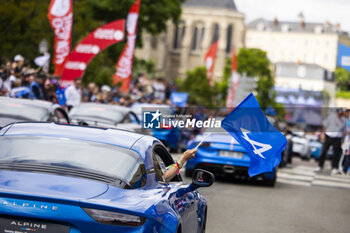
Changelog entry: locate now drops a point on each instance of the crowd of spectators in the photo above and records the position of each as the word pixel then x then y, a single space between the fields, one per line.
pixel 19 80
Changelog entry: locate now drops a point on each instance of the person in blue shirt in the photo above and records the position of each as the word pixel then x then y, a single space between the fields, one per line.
pixel 35 88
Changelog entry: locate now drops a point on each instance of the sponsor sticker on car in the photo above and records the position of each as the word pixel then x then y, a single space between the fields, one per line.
pixel 8 225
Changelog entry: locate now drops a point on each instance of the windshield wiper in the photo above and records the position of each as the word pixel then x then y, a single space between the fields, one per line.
pixel 64 170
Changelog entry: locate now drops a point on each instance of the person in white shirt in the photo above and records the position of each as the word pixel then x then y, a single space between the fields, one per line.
pixel 73 94
pixel 334 128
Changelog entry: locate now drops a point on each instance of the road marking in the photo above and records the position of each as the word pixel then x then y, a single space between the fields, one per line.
pixel 305 176
pixel 295 177
pixel 294 182
pixel 330 184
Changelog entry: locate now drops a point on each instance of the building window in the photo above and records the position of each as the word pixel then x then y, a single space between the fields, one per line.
pixel 215 33
pixel 229 39
pixel 285 28
pixel 154 42
pixel 179 35
pixel 198 34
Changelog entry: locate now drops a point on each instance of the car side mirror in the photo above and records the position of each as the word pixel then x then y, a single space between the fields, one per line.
pixel 202 178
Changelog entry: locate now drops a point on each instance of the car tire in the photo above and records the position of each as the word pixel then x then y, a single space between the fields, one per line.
pixel 188 173
pixel 269 183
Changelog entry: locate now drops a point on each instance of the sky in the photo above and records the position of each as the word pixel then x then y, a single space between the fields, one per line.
pixel 334 11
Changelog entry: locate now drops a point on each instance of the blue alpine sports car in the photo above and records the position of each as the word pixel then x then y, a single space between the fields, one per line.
pixel 69 179
pixel 224 156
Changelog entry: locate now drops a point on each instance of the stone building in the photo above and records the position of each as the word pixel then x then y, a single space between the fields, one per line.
pixel 298 42
pixel 183 46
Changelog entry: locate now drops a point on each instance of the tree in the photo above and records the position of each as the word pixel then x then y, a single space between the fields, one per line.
pixel 197 85
pixel 342 77
pixel 254 63
pixel 23 24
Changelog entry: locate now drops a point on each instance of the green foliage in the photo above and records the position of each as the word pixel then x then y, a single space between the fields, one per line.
pixel 342 77
pixel 253 62
pixel 146 67
pixel 343 94
pixel 197 85
pixel 24 24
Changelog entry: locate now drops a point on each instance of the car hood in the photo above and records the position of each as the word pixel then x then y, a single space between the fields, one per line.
pixel 49 186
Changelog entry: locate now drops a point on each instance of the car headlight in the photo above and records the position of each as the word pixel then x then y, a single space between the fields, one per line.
pixel 114 218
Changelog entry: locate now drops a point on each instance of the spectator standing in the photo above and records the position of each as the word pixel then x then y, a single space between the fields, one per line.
pixel 35 89
pixel 346 145
pixel 73 94
pixel 19 63
pixel 91 92
pixel 332 133
pixel 8 85
pixel 159 89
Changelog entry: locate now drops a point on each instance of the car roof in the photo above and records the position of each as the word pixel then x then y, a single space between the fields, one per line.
pixel 29 102
pixel 108 106
pixel 115 137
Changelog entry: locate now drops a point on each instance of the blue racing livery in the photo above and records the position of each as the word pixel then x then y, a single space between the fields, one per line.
pixel 222 155
pixel 71 179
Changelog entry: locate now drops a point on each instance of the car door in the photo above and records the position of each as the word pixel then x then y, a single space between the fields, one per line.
pixel 186 203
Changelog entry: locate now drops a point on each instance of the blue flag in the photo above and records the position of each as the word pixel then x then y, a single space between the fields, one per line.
pixel 61 97
pixel 179 99
pixel 249 126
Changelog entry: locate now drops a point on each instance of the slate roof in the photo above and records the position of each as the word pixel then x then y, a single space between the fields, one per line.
pixel 272 25
pixel 227 4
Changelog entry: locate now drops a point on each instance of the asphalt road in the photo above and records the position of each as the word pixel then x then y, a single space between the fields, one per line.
pixel 288 207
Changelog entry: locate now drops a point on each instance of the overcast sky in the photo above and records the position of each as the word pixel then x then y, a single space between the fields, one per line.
pixel 314 10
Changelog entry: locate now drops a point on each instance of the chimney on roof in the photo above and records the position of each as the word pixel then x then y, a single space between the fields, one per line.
pixel 337 26
pixel 302 20
pixel 275 22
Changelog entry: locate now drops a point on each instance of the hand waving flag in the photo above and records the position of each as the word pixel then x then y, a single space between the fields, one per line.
pixel 249 126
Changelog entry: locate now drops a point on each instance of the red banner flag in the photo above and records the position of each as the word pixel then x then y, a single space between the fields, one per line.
pixel 89 47
pixel 234 82
pixel 210 61
pixel 125 62
pixel 61 19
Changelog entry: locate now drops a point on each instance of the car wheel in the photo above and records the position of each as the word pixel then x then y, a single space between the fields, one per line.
pixel 269 183
pixel 188 173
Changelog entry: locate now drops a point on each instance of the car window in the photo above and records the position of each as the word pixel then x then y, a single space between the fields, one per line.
pixel 162 159
pixel 109 160
pixel 59 117
pixel 159 167
pixel 127 119
pixel 102 113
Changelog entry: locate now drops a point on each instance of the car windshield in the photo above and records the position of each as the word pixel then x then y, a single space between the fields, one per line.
pixel 27 112
pixel 101 113
pixel 100 158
